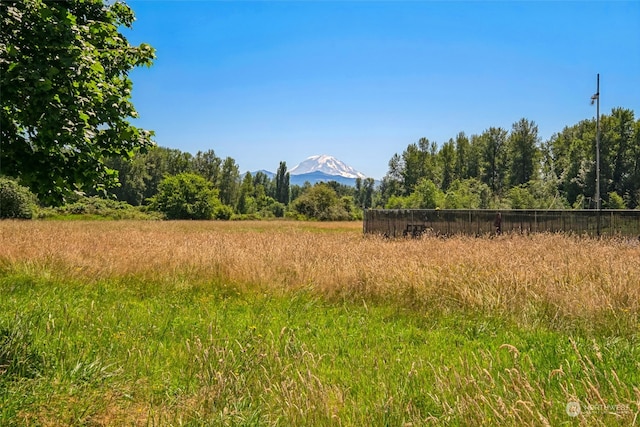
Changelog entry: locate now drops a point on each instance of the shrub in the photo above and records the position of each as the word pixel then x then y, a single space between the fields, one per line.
pixel 426 195
pixel 186 196
pixel 96 207
pixel 16 201
pixel 223 212
pixel 615 201
pixel 321 202
pixel 467 194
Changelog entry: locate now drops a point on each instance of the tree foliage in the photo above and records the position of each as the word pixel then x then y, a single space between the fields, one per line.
pixel 186 196
pixel 65 104
pixel 494 157
pixel 523 152
pixel 502 169
pixel 321 202
pixel 364 191
pixel 282 184
pixel 229 183
pixel 573 154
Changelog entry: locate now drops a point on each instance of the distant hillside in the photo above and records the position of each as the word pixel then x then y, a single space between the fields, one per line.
pixel 315 177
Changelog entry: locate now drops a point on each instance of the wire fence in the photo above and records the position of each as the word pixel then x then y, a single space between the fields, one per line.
pixel 416 222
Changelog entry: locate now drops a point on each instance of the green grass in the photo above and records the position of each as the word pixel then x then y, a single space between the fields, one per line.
pixel 130 352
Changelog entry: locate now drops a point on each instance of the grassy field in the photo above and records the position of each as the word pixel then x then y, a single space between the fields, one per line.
pixel 109 323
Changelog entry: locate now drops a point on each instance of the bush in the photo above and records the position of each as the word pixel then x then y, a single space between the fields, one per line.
pixel 521 198
pixel 321 202
pixel 16 201
pixel 95 208
pixel 223 212
pixel 186 196
pixel 426 195
pixel 615 201
pixel 467 194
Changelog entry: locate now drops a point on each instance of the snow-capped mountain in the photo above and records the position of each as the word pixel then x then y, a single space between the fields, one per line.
pixel 326 164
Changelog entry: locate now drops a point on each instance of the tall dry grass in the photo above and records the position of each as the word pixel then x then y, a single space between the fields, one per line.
pixel 531 277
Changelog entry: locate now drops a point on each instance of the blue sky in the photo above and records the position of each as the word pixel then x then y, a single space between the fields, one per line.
pixel 270 81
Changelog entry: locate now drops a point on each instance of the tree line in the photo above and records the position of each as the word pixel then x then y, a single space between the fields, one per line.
pixel 500 168
pixel 515 169
pixel 159 177
pixel 496 169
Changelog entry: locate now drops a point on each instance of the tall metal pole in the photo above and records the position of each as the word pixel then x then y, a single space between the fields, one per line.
pixel 597 98
pixel 597 95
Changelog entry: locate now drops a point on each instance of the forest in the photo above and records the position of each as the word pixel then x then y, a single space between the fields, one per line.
pixel 515 169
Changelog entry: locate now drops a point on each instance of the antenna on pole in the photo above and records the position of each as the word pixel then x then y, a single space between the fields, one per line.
pixel 596 98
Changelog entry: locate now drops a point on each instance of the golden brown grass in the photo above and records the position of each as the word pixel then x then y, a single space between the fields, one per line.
pixel 555 276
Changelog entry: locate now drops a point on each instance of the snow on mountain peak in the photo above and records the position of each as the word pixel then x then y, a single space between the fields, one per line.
pixel 326 164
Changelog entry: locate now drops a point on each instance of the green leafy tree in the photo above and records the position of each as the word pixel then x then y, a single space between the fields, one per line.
pixel 615 201
pixel 321 202
pixel 447 158
pixel 573 153
pixel 520 197
pixel 426 195
pixel 474 164
pixel 495 158
pixel 207 165
pixel 140 176
pixel 299 190
pixel 418 162
pixel 177 161
pixel 229 182
pixel 132 177
pixel 523 152
pixel 262 180
pixel 463 149
pixel 341 189
pixel 391 184
pixel 246 202
pixel 282 184
pixel 65 104
pixel 573 160
pixel 268 207
pixel 364 192
pixel 156 168
pixel 535 194
pixel 619 153
pixel 186 196
pixel 467 194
